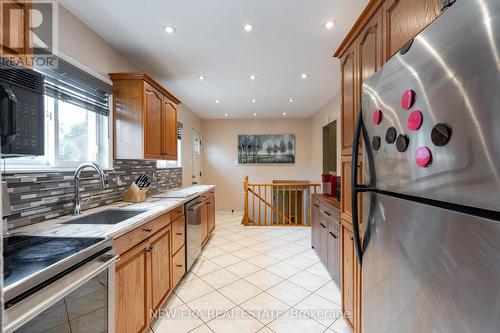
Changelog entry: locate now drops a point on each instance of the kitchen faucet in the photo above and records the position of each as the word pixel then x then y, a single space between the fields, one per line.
pixel 102 178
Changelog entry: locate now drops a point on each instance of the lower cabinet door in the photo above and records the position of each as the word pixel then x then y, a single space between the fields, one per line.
pixel 211 214
pixel 132 290
pixel 160 267
pixel 178 266
pixel 333 257
pixel 204 222
pixel 316 228
pixel 348 275
pixel 323 241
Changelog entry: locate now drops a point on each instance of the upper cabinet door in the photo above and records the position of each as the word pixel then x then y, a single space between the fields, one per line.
pixel 370 48
pixel 169 128
pixel 153 102
pixel 348 98
pixel 404 19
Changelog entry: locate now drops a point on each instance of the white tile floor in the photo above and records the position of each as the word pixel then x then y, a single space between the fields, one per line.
pixel 255 279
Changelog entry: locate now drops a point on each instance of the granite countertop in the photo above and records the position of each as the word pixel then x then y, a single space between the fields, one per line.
pixel 332 201
pixel 155 205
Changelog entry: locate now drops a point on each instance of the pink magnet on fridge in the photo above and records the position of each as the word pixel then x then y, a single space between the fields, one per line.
pixel 408 99
pixel 423 157
pixel 415 120
pixel 377 116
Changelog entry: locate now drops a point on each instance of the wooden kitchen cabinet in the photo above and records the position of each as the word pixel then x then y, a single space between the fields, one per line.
pixel 315 227
pixel 169 124
pixel 204 222
pixel 145 118
pixel 349 95
pixel 348 275
pixel 153 104
pixel 325 234
pixel 160 267
pixel 211 213
pixel 178 266
pixel 133 290
pixel 404 19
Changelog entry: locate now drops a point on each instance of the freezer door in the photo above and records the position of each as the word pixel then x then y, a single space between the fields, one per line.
pixel 427 269
pixel 453 67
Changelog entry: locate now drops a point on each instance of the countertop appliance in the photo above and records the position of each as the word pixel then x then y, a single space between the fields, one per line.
pixel 430 251
pixel 21 112
pixel 193 231
pixel 58 283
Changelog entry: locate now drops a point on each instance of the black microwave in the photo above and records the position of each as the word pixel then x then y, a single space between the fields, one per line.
pixel 22 112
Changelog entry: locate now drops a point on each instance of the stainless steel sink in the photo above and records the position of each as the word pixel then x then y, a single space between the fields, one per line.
pixel 108 216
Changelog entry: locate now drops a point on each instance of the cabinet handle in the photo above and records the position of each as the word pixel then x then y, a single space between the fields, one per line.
pixel 147 230
pixel 327 213
pixel 180 266
pixel 321 224
pixel 178 234
pixel 150 249
pixel 352 238
pixel 317 206
pixel 331 233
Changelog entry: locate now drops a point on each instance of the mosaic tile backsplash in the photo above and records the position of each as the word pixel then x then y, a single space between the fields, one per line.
pixel 36 197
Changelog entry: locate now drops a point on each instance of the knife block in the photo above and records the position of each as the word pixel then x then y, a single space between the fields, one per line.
pixel 135 194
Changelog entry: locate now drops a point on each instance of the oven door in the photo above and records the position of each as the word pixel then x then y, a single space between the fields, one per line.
pixel 82 301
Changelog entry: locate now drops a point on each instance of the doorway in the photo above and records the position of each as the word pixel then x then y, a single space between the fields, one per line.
pixel 197 151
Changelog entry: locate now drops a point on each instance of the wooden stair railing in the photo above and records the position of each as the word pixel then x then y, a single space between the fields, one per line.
pixel 277 204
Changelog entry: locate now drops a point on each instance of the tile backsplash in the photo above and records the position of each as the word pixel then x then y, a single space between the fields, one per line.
pixel 37 196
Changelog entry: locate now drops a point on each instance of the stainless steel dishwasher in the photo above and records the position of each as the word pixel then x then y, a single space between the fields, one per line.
pixel 193 231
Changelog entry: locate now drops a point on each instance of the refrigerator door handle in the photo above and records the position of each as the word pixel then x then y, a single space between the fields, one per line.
pixel 359 188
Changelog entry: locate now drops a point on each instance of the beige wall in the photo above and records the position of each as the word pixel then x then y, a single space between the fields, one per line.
pixel 220 155
pixel 190 122
pixel 82 44
pixel 328 113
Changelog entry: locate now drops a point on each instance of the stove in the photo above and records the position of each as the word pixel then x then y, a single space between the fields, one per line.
pixel 32 261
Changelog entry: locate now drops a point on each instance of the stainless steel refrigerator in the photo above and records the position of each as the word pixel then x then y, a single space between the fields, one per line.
pixel 429 237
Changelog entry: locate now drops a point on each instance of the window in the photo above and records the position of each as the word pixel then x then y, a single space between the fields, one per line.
pixel 76 120
pixel 173 164
pixel 73 135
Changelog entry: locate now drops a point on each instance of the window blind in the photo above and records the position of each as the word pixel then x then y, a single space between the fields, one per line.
pixel 73 85
pixel 179 130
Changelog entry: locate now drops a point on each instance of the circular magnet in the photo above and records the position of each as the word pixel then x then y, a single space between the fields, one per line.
pixel 376 143
pixel 377 116
pixel 441 134
pixel 423 157
pixel 408 99
pixel 390 135
pixel 415 120
pixel 402 143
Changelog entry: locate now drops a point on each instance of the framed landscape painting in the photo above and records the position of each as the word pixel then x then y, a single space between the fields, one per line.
pixel 265 149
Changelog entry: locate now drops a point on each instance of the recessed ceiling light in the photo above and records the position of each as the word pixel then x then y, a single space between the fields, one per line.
pixel 291 100
pixel 248 27
pixel 284 113
pixel 217 101
pixel 254 100
pixel 169 29
pixel 201 77
pixel 329 24
pixel 253 76
pixel 226 115
pixel 304 76
pixel 255 114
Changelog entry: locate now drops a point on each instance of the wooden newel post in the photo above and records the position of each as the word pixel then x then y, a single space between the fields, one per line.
pixel 245 190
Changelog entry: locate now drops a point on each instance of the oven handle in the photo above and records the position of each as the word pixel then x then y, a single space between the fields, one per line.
pixel 32 306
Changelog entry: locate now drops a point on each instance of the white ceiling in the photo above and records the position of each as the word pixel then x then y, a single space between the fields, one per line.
pixel 289 38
